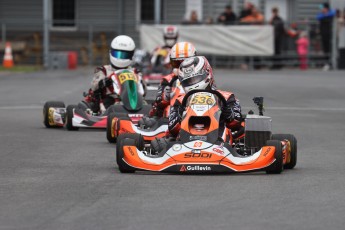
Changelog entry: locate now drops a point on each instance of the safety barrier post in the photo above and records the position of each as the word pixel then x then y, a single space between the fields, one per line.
pixel 90 45
pixel 3 33
pixel 334 45
pixel 46 8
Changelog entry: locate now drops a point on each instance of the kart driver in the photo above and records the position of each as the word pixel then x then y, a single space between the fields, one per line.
pixel 196 73
pixel 102 93
pixel 170 36
pixel 179 52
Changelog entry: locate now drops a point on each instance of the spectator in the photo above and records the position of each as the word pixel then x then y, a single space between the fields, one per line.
pixel 193 19
pixel 293 30
pixel 325 18
pixel 302 50
pixel 279 32
pixel 255 17
pixel 340 20
pixel 209 21
pixel 247 10
pixel 228 17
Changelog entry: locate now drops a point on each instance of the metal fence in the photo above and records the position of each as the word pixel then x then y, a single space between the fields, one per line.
pixel 91 42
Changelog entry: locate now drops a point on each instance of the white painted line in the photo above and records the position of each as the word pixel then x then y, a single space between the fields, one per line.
pixel 21 107
pixel 152 87
pixel 300 108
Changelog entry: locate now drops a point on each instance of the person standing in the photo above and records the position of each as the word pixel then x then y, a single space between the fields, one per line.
pixel 193 19
pixel 279 33
pixel 325 18
pixel 302 50
pixel 228 17
pixel 254 18
pixel 247 10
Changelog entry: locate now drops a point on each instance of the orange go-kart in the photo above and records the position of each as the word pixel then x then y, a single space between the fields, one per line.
pixel 117 125
pixel 204 145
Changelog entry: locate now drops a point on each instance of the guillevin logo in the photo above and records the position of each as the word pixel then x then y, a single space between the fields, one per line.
pixel 194 168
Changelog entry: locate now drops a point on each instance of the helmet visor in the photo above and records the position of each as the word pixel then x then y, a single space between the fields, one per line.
pixel 175 63
pixel 194 79
pixel 121 54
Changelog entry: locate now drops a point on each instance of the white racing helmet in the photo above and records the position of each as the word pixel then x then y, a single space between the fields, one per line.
pixel 196 73
pixel 121 51
pixel 180 51
pixel 170 35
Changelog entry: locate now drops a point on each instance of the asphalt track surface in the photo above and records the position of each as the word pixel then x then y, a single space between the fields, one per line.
pixel 55 179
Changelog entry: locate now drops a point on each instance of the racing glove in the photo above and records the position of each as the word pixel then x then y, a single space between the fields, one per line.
pixel 175 118
pixel 105 83
pixel 232 110
pixel 97 94
pixel 227 113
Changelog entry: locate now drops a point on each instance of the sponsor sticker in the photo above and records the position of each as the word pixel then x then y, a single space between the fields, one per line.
pixel 188 70
pixel 198 144
pixel 134 115
pixel 130 151
pixel 201 138
pixel 195 168
pixel 198 155
pixel 218 150
pixel 267 151
pixel 51 116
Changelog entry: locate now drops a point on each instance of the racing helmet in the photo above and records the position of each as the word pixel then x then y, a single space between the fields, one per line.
pixel 170 34
pixel 179 52
pixel 196 73
pixel 121 51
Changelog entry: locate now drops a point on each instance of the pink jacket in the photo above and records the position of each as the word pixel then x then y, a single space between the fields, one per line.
pixel 302 46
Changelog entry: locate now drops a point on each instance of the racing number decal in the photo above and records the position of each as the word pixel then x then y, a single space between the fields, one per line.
pixel 51 116
pixel 127 77
pixel 198 144
pixel 202 100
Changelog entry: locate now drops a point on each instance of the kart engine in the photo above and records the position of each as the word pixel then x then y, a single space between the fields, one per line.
pixel 258 130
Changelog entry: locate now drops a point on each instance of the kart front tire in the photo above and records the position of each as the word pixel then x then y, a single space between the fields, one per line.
pixel 69 117
pixel 293 145
pixel 277 166
pixel 110 130
pixel 47 105
pixel 127 139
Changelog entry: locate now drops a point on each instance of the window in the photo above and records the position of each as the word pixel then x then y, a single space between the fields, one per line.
pixel 63 13
pixel 147 11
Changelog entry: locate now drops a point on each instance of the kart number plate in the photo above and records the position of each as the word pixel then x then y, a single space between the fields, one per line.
pixel 202 99
pixel 127 77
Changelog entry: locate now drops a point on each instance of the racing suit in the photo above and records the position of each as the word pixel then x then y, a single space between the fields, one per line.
pixel 231 114
pixel 102 93
pixel 160 60
pixel 164 95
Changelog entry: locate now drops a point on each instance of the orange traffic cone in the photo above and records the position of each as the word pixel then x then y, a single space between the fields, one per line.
pixel 8 58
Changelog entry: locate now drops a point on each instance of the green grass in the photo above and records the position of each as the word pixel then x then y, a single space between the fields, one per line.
pixel 21 68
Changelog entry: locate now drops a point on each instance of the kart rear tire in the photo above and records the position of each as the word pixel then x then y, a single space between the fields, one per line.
pixel 110 135
pixel 293 145
pixel 127 139
pixel 277 166
pixel 69 116
pixel 47 105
